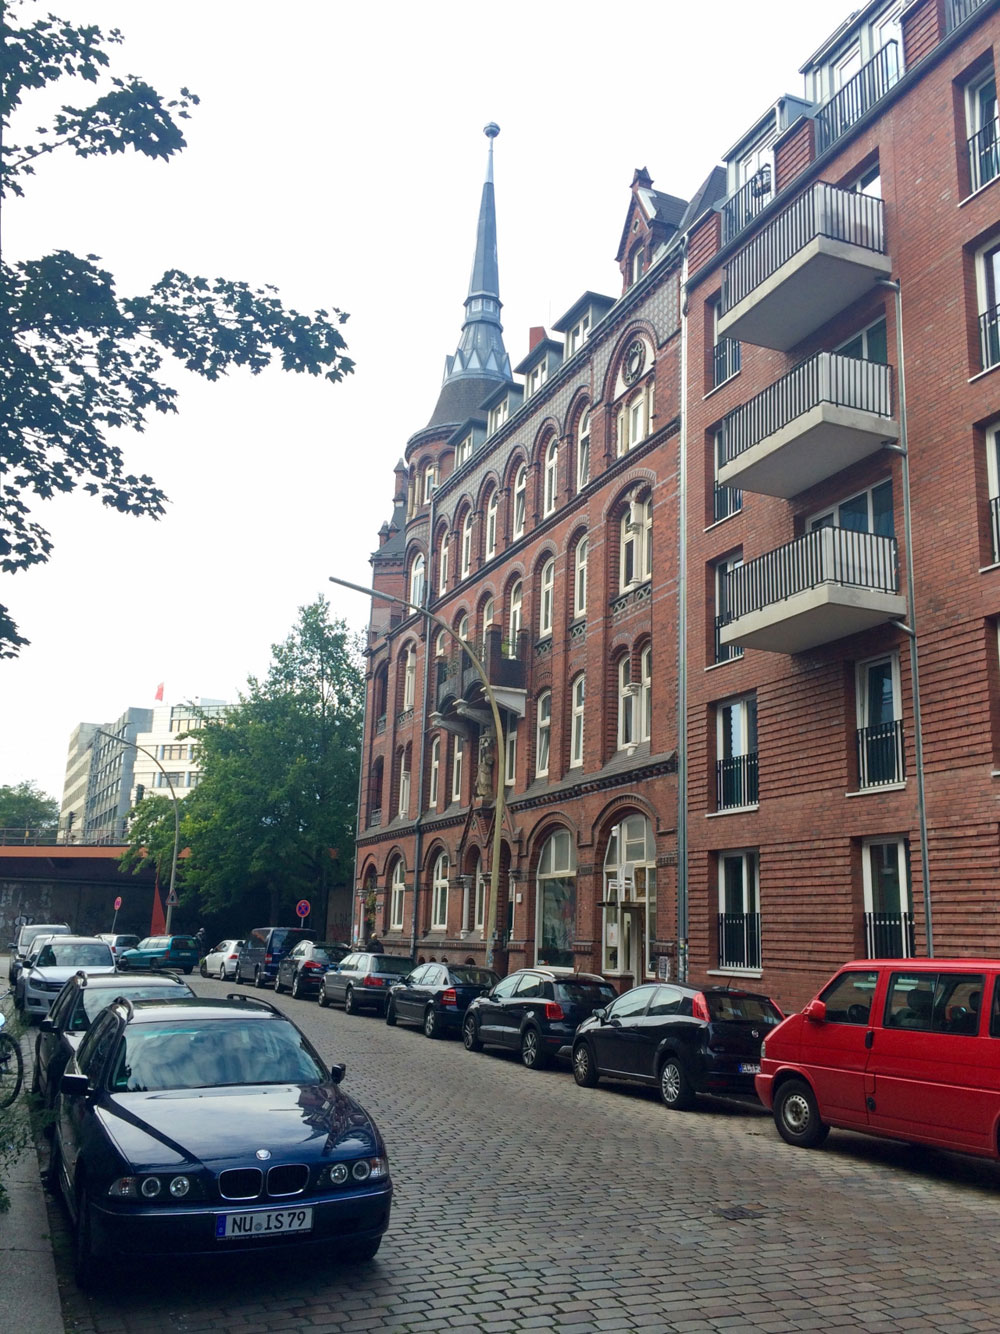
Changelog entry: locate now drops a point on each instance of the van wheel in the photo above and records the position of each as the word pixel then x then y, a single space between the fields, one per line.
pixel 796 1115
pixel 278 988
pixel 258 979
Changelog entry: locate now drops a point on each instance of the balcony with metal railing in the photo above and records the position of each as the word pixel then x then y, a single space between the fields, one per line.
pixel 504 663
pixel 827 584
pixel 984 156
pixel 743 205
pixel 888 935
pixel 725 361
pixel 739 940
pixel 736 782
pixel 816 258
pixel 725 652
pixel 726 501
pixel 880 754
pixel 957 11
pixel 824 415
pixel 989 338
pixel 858 95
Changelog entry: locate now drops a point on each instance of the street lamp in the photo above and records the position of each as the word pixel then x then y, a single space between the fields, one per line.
pixel 123 741
pixel 501 751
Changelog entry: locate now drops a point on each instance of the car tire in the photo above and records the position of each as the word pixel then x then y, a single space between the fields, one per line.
pixel 259 980
pixel 675 1087
pixel 364 1251
pixel 297 993
pixel 350 1004
pixel 278 988
pixel 189 970
pixel 533 1054
pixel 585 1070
pixel 390 1013
pixel 470 1034
pixel 322 999
pixel 796 1115
pixel 122 965
pixel 432 1025
pixel 222 972
pixel 202 969
pixel 84 1265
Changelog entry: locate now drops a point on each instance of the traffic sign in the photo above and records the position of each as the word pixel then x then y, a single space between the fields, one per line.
pixel 302 908
pixel 118 902
pixel 172 899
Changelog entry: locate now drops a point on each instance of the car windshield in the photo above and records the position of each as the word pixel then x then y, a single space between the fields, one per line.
pixel 96 998
pixel 593 994
pixel 157 1056
pixel 732 1005
pixel 83 956
pixel 480 977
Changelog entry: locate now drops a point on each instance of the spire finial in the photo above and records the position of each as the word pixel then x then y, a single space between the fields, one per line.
pixel 491 131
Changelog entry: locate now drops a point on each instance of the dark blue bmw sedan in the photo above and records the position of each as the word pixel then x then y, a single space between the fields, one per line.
pixel 212 1126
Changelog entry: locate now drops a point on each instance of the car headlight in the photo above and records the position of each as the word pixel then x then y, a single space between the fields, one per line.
pixel 150 1187
pixel 177 1187
pixel 358 1171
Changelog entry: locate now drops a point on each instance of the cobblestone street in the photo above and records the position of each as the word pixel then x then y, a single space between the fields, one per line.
pixel 526 1203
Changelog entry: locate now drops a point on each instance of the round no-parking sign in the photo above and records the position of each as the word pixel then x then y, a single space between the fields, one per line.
pixel 302 908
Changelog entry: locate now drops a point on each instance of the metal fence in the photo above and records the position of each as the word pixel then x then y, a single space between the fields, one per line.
pixel 744 204
pixel 989 337
pixel 888 935
pixel 725 360
pixel 739 940
pixel 725 652
pixel 858 95
pixel 826 555
pixel 957 11
pixel 727 500
pixel 736 781
pixel 984 159
pixel 827 377
pixel 824 210
pixel 880 754
pixel 995 528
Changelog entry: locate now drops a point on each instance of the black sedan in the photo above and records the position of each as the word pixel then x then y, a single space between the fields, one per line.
pixel 209 1127
pixel 683 1040
pixel 436 996
pixel 301 970
pixel 74 1010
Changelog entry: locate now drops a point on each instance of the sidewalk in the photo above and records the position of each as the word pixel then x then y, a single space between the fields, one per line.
pixel 27 1269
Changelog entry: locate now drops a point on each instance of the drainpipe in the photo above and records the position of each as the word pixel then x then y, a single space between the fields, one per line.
pixel 902 449
pixel 418 831
pixel 682 747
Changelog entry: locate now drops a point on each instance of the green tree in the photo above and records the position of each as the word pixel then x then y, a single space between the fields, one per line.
pixel 26 807
pixel 77 359
pixel 150 834
pixel 275 806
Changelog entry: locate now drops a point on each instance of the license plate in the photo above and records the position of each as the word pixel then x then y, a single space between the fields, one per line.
pixel 270 1222
pixel 749 1068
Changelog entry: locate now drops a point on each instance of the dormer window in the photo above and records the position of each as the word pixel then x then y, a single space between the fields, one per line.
pixel 577 336
pixel 498 415
pixel 637 265
pixel 430 481
pixel 464 451
pixel 536 378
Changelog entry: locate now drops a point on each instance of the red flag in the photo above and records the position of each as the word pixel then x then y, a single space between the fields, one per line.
pixel 159 692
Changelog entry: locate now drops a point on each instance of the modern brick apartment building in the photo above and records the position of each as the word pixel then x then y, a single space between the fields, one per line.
pixel 715 568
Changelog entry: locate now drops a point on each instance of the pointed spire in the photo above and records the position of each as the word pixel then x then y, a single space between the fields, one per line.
pixel 480 362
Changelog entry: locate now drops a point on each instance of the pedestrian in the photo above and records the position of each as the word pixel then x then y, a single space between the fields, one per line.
pixel 199 937
pixel 375 945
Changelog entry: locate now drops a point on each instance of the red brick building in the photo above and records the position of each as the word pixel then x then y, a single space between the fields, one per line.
pixel 724 554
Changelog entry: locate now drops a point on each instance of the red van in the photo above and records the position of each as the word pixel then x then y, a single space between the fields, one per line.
pixel 903 1048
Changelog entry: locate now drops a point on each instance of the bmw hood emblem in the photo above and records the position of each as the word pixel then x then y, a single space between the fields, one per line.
pixel 263 1154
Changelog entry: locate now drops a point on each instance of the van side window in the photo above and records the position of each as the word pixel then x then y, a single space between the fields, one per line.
pixel 848 998
pixel 935 1002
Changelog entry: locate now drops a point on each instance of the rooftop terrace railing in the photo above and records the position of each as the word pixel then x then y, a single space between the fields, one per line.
pixel 957 11
pixel 858 95
pixel 743 205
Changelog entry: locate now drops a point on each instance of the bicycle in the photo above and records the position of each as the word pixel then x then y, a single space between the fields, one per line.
pixel 11 1061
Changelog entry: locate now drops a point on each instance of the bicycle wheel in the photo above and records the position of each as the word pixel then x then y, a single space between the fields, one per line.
pixel 11 1069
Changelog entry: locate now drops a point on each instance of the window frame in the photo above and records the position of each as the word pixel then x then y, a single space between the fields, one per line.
pixel 520 510
pixel 457 767
pixel 749 895
pixel 433 785
pixel 583 450
pixel 439 892
pixel 397 892
pixel 492 510
pixel 550 478
pixel 580 578
pixel 543 733
pixel 546 598
pixel 578 717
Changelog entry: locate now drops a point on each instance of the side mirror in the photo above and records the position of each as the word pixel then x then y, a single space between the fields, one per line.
pixel 815 1011
pixel 337 1072
pixel 74 1086
pixel 601 1014
pixel 47 1026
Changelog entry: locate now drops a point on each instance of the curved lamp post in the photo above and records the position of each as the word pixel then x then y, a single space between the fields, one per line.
pixel 501 749
pixel 123 741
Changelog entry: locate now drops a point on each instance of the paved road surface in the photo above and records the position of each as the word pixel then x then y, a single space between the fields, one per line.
pixel 525 1203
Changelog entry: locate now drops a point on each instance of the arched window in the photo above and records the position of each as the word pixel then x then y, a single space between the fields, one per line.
pixel 441 644
pixel 430 481
pixel 457 764
pixel 443 571
pixel 491 525
pixel 514 622
pixel 463 628
pixel 646 694
pixel 417 580
pixel 543 733
pixel 404 782
pixel 439 894
pixel 397 888
pixel 550 488
pixel 626 704
pixel 520 501
pixel 629 898
pixel 580 579
pixel 583 451
pixel 555 920
pixel 576 729
pixel 466 544
pixel 435 774
pixel 375 793
pixel 546 598
pixel 489 611
pixel 479 912
pixel 409 678
pixel 635 564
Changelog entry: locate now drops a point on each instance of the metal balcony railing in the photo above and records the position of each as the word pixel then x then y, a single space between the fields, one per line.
pixel 725 652
pixel 740 209
pixel 957 11
pixel 826 555
pixel 736 781
pixel 827 377
pixel 858 95
pixel 984 157
pixel 888 935
pixel 824 210
pixel 725 360
pixel 880 754
pixel 727 500
pixel 989 337
pixel 995 528
pixel 739 940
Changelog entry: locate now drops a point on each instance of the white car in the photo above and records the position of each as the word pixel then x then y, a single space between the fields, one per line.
pixel 220 962
pixel 55 963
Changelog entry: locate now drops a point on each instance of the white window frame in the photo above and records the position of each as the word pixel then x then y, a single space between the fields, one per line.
pixel 636 544
pixel 498 415
pixel 749 860
pixel 626 704
pixel 828 517
pixel 645 692
pixel 439 893
pixel 457 765
pixel 583 450
pixel 409 678
pixel 629 877
pixel 462 629
pixel 403 809
pixel 510 753
pixel 741 739
pixel 489 611
pixel 551 478
pixel 543 733
pixel 578 698
pixel 430 481
pixel 520 501
pixel 863 701
pixel 418 571
pixel 557 861
pixel 432 794
pixel 865 335
pixel 397 891
pixel 546 598
pixel 443 572
pixel 903 876
pixel 466 545
pixel 580 578
pixel 441 644
pixel 578 335
pixel 514 619
pixel 464 451
pixel 634 417
pixel 845 67
pixel 479 909
pixel 491 525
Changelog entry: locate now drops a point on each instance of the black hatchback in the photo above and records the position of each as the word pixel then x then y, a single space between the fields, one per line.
pixel 535 1011
pixel 436 996
pixel 684 1040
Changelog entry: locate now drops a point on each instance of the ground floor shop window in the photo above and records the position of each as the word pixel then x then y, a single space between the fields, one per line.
pixel 556 907
pixel 629 898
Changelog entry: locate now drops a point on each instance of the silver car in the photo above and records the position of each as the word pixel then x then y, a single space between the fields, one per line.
pixel 55 963
pixel 220 962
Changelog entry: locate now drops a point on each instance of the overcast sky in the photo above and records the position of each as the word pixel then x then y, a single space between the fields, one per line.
pixel 338 153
